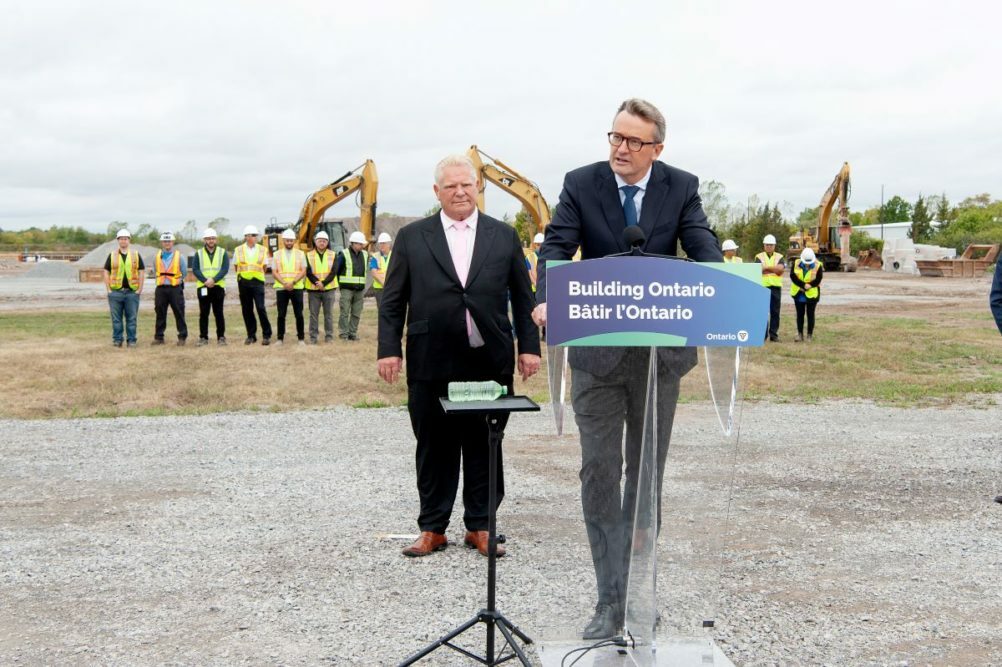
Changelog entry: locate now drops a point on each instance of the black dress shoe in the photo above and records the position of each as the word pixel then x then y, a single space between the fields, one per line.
pixel 607 622
pixel 998 499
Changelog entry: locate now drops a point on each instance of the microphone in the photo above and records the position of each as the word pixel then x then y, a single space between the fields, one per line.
pixel 634 237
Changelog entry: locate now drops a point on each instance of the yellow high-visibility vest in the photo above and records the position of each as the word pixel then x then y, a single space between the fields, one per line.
pixel 806 277
pixel 249 262
pixel 384 266
pixel 210 267
pixel 733 260
pixel 349 277
pixel 120 269
pixel 321 269
pixel 770 279
pixel 288 263
pixel 169 274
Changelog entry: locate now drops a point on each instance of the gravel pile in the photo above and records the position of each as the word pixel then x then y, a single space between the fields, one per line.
pixel 54 269
pixel 856 535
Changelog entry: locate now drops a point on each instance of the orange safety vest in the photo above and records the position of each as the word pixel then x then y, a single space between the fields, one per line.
pixel 170 274
pixel 288 264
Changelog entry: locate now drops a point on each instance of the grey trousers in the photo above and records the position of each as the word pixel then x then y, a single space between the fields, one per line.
pixel 351 312
pixel 317 299
pixel 603 407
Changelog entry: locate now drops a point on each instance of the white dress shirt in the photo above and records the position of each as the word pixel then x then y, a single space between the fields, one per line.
pixel 637 198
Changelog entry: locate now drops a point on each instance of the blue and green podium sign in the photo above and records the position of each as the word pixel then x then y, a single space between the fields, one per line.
pixel 653 301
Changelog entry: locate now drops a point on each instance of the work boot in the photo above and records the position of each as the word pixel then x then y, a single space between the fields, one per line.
pixel 810 337
pixel 131 344
pixel 328 339
pixel 221 341
pixel 266 341
pixel 799 338
pixel 202 342
pixel 303 342
pixel 117 343
pixel 250 340
pixel 157 341
pixel 280 341
pixel 181 342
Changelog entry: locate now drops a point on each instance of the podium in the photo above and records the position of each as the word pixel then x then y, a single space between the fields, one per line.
pixel 492 411
pixel 672 333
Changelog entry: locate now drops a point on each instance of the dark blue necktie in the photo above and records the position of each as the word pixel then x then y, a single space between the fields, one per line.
pixel 630 206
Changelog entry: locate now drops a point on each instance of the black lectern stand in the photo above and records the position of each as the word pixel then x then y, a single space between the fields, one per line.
pixel 491 617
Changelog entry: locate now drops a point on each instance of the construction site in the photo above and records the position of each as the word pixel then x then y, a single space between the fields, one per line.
pixel 139 524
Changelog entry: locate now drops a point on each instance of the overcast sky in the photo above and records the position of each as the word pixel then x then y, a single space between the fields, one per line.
pixel 160 112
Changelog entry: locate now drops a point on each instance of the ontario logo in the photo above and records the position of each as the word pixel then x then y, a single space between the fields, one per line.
pixel 743 336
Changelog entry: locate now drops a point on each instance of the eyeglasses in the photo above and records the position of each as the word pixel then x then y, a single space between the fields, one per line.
pixel 634 144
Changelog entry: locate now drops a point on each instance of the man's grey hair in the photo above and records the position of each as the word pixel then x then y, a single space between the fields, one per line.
pixel 454 161
pixel 644 109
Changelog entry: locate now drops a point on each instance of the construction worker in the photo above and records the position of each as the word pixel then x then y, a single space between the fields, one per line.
pixel 210 265
pixel 320 285
pixel 123 276
pixel 350 270
pixel 378 264
pixel 532 257
pixel 773 267
pixel 171 269
pixel 730 249
pixel 250 259
pixel 805 281
pixel 289 268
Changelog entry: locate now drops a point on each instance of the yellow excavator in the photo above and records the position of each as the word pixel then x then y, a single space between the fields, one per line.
pixel 363 178
pixel 821 239
pixel 495 171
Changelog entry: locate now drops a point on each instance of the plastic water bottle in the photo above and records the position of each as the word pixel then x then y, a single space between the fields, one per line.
pixel 476 391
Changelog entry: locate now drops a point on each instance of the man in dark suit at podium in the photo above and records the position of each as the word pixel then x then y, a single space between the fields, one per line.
pixel 449 280
pixel 596 205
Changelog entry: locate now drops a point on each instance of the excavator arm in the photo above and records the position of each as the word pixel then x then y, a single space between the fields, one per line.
pixel 837 191
pixel 362 178
pixel 521 188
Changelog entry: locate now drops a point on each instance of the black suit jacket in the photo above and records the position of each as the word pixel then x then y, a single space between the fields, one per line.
pixel 423 290
pixel 589 215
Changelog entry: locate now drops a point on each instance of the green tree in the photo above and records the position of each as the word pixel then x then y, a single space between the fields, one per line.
pixel 714 196
pixel 749 230
pixel 941 211
pixel 921 230
pixel 895 209
pixel 973 224
pixel 861 241
pixel 525 227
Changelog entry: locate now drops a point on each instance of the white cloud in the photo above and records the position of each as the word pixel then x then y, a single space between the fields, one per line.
pixel 161 112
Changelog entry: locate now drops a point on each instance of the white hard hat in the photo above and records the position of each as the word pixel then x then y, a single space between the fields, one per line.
pixel 384 238
pixel 167 236
pixel 538 238
pixel 729 245
pixel 123 232
pixel 209 233
pixel 357 237
pixel 250 230
pixel 322 235
pixel 288 234
pixel 807 256
pixel 769 240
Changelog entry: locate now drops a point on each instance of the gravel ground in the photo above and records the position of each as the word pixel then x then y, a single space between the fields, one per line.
pixel 870 539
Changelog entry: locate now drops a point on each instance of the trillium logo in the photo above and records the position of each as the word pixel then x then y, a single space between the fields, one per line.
pixel 742 335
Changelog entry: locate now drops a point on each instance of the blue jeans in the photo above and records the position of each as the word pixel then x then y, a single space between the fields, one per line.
pixel 122 302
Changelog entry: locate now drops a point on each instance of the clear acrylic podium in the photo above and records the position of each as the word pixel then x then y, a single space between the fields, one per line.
pixel 673 587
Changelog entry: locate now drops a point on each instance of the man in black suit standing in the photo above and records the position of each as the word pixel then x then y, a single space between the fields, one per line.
pixel 597 203
pixel 449 281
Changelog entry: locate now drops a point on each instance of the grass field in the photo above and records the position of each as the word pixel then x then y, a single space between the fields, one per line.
pixel 62 365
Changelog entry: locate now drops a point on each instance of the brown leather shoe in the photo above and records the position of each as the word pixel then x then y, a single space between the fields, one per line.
pixel 478 539
pixel 426 543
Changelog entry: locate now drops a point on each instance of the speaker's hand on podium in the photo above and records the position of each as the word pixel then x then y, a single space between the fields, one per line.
pixel 539 315
pixel 528 365
pixel 389 368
